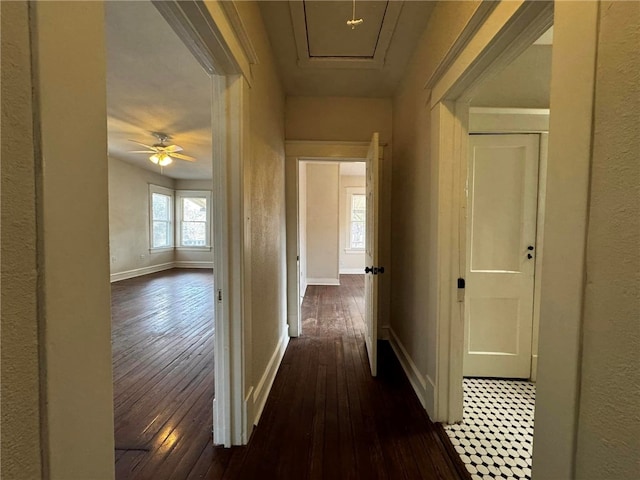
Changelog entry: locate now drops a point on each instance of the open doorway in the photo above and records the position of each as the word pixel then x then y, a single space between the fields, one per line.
pixel 502 251
pixel 334 222
pixel 161 243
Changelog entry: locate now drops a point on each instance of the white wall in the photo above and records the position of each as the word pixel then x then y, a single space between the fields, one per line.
pixel 524 83
pixel 608 437
pixel 129 222
pixel 302 226
pixel 350 262
pixel 322 223
pixel 129 217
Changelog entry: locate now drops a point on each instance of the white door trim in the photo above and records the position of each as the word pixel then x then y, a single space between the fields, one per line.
pixel 305 150
pixel 510 29
pixel 225 53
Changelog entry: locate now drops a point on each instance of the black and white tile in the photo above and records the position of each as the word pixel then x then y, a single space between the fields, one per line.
pixel 495 439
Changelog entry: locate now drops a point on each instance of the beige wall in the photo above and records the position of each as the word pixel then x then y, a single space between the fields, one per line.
pixel 350 262
pixel 129 217
pixel 20 368
pixel 352 119
pixel 268 263
pixel 525 83
pixel 322 222
pixel 609 422
pixel 302 226
pixel 414 235
pixel 129 221
pixel 74 242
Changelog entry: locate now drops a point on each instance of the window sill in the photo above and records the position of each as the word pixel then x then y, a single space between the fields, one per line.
pixel 161 249
pixel 354 251
pixel 194 249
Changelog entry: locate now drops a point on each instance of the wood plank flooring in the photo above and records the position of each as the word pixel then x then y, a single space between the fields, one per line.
pixel 326 417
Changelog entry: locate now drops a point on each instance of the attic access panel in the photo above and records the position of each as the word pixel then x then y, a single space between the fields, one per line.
pixel 328 34
pixel 323 38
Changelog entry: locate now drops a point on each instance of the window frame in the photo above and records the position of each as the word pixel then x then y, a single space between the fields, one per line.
pixel 350 192
pixel 180 196
pixel 157 189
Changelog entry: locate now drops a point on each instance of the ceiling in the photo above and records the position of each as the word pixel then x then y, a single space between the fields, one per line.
pixel 318 54
pixel 154 84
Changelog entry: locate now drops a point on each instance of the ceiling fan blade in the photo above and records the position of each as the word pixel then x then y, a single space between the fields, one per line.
pixel 141 151
pixel 172 148
pixel 180 156
pixel 144 145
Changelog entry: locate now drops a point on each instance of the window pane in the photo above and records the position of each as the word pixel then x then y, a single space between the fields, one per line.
pixel 357 234
pixel 160 206
pixel 194 234
pixel 358 216
pixel 161 234
pixel 358 202
pixel 194 209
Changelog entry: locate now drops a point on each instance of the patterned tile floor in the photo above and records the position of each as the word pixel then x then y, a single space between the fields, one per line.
pixel 495 439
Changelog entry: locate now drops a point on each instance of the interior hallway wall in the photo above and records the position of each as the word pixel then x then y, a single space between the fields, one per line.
pixel 415 194
pixel 302 226
pixel 267 222
pixel 350 262
pixel 608 443
pixel 20 452
pixel 322 223
pixel 352 119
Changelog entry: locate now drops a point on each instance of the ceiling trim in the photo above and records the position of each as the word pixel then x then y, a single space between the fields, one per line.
pixel 299 23
pixel 231 11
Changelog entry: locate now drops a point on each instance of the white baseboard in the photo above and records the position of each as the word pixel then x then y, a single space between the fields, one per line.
pixel 418 382
pixel 534 368
pixel 138 272
pixel 261 393
pixel 192 264
pixel 323 281
pixel 352 271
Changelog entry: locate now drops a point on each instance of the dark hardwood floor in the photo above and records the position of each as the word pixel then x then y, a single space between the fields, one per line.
pixel 326 417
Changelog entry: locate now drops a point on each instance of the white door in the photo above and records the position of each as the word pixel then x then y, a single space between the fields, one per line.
pixel 501 233
pixel 371 256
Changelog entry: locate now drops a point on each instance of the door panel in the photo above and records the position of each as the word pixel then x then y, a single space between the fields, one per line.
pixel 501 226
pixel 371 255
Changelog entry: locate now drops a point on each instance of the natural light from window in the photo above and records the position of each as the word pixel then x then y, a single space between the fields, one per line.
pixel 161 221
pixel 357 226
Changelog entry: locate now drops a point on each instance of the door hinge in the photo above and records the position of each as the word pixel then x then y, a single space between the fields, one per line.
pixel 461 286
pixel 219 295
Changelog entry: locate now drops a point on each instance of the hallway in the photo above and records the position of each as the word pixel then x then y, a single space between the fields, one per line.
pixel 327 417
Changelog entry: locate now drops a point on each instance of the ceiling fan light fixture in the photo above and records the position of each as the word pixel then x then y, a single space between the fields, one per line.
pixel 155 158
pixel 164 160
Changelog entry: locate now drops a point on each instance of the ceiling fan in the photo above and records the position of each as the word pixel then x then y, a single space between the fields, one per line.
pixel 162 154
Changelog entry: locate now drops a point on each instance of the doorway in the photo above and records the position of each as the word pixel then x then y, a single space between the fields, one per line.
pixel 313 213
pixel 504 206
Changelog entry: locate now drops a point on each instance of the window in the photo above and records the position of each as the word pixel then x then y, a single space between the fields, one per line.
pixel 161 209
pixel 357 224
pixel 194 219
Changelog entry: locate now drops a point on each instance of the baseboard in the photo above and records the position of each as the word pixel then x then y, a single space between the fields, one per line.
pixel 138 272
pixel 261 393
pixel 534 368
pixel 352 271
pixel 416 379
pixel 323 281
pixel 192 264
pixel 383 332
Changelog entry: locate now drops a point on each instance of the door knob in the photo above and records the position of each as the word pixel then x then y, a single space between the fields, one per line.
pixel 530 247
pixel 529 256
pixel 368 269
